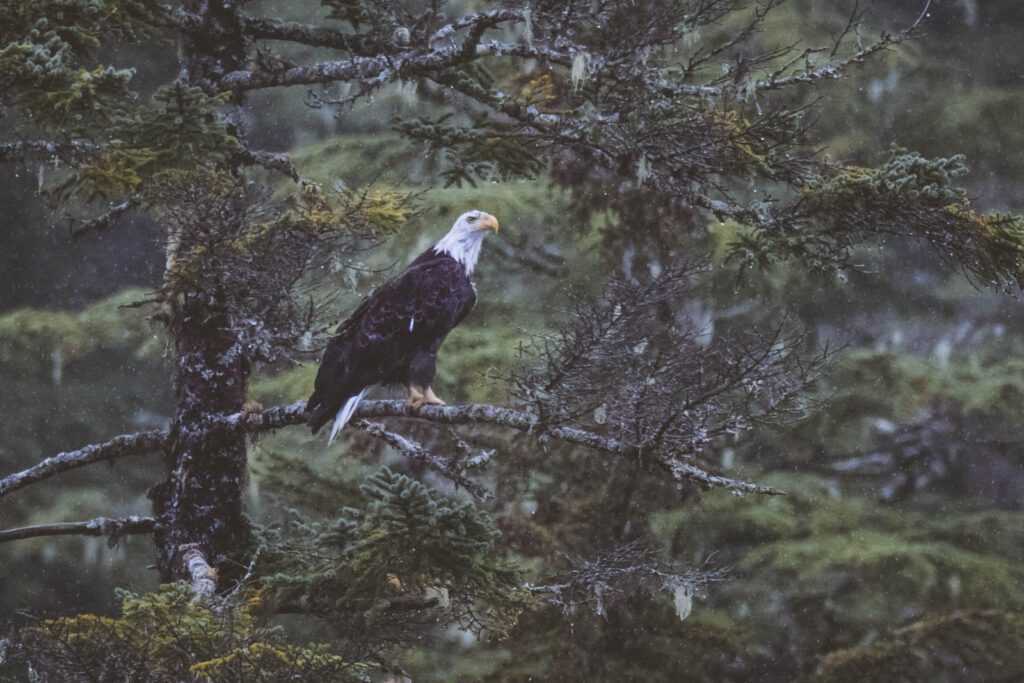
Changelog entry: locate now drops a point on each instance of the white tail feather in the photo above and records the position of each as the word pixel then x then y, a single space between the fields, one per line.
pixel 345 414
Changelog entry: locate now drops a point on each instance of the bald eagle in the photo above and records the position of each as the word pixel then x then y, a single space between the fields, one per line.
pixel 394 334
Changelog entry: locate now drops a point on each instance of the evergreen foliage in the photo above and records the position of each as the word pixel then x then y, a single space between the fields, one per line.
pixel 407 551
pixel 613 140
pixel 166 636
pixel 474 153
pixel 980 645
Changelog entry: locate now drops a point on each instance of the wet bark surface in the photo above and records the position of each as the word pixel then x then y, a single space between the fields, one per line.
pixel 199 505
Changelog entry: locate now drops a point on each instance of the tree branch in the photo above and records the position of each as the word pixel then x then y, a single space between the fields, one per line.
pixel 402 603
pixel 101 526
pixel 104 220
pixel 203 576
pixel 118 447
pixel 372 69
pixel 482 413
pixel 273 161
pixel 47 150
pixel 355 69
pixel 488 19
pixel 306 34
pixel 834 71
pixel 294 414
pixel 417 451
pixel 375 69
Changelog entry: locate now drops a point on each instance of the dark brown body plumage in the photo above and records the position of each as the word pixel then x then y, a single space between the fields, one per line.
pixel 394 335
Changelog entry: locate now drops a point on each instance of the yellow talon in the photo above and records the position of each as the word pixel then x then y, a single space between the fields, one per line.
pixel 415 398
pixel 432 399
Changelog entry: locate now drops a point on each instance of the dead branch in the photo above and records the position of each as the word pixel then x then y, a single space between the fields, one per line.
pixel 100 526
pixel 293 414
pixel 271 161
pixel 440 464
pixel 203 576
pixel 482 413
pixel 118 447
pixel 47 150
pixel 106 219
pixel 262 28
pixel 618 573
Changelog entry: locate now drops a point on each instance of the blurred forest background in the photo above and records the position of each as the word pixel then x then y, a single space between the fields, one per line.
pixel 901 534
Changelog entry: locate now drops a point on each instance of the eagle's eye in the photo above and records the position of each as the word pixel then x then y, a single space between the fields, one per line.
pixel 470 219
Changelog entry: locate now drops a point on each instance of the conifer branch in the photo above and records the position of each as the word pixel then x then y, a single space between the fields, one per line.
pixel 262 28
pixel 776 80
pixel 482 413
pixel 440 464
pixel 104 220
pixel 487 19
pixel 372 71
pixel 118 447
pixel 369 66
pixel 294 414
pixel 368 71
pixel 100 526
pixel 272 161
pixel 47 150
pixel 402 603
pixel 372 68
pixel 832 71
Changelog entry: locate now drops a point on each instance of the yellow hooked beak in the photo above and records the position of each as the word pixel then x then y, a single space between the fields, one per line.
pixel 487 221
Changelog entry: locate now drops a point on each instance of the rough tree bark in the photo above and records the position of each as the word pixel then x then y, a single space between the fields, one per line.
pixel 199 505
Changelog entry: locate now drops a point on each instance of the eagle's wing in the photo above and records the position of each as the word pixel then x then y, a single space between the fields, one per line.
pixel 413 310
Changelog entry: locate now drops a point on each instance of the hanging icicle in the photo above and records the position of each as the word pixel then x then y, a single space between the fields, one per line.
pixel 749 90
pixel 643 171
pixel 691 37
pixel 407 90
pixel 580 70
pixel 683 599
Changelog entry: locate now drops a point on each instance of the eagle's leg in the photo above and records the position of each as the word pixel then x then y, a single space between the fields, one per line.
pixel 422 368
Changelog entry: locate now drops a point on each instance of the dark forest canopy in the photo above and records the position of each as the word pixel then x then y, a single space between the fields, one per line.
pixel 719 284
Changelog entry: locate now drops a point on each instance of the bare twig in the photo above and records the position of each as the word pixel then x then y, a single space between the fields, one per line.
pixel 537 258
pixel 272 161
pixel 306 34
pixel 405 603
pixel 104 220
pixel 491 18
pixel 616 574
pixel 118 447
pixel 47 150
pixel 417 451
pixel 837 70
pixel 100 526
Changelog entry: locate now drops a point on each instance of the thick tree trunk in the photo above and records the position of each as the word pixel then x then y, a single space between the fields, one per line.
pixel 200 504
pixel 202 531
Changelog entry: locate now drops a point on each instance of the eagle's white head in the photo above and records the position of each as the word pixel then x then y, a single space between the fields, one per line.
pixel 464 240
